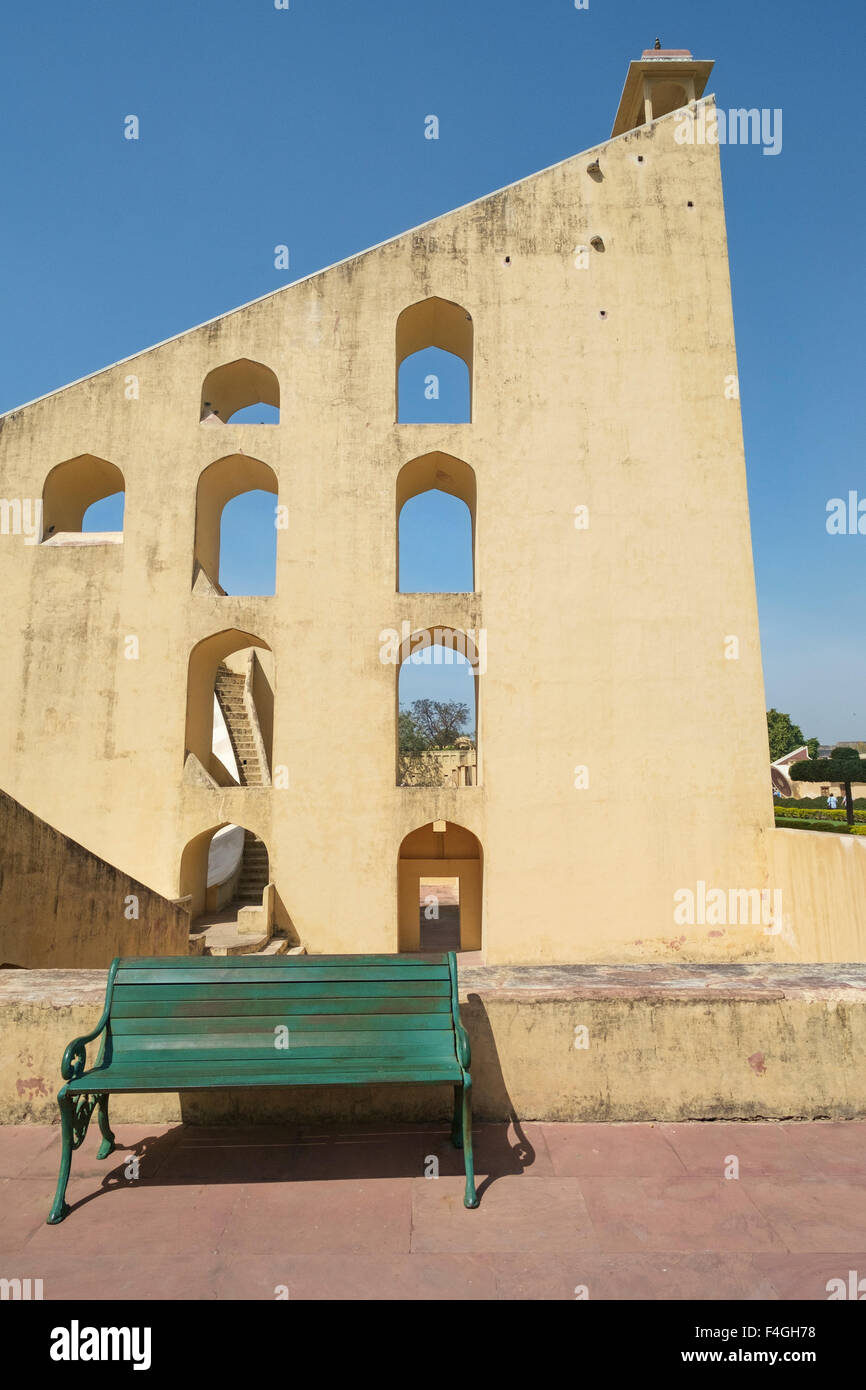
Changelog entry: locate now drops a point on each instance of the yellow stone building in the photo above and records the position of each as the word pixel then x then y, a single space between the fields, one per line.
pixel 613 615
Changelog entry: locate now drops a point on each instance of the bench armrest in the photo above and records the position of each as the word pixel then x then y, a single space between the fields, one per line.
pixel 464 1052
pixel 75 1057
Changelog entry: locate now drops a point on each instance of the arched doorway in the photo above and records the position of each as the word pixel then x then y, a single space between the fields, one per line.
pixel 436 545
pixel 439 889
pixel 235 536
pixel 230 711
pixel 226 873
pixel 438 716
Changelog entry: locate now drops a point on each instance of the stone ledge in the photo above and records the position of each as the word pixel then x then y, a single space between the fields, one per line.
pixel 664 981
pixel 52 988
pixel 581 1042
pixel 758 983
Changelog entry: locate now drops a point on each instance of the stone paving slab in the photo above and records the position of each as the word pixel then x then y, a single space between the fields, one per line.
pixel 624 1211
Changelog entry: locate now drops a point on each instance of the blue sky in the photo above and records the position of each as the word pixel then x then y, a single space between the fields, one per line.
pixel 304 127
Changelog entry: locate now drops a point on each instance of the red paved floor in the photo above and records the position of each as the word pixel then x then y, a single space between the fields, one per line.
pixel 628 1211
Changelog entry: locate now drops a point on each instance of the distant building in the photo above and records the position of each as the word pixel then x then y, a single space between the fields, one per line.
pixel 784 778
pixel 779 770
pixel 825 750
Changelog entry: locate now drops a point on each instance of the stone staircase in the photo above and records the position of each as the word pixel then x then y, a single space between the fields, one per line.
pixel 254 870
pixel 229 939
pixel 240 929
pixel 229 690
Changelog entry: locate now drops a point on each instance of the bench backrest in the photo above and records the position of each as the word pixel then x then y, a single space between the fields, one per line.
pixel 400 1009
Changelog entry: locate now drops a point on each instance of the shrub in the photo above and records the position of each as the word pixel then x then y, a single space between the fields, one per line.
pixel 815 802
pixel 834 827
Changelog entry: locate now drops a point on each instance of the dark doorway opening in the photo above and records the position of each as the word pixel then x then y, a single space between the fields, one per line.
pixel 439 914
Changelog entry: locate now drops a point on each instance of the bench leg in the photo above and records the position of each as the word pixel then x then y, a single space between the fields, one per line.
pixel 470 1198
pixel 59 1208
pixel 108 1140
pixel 457 1122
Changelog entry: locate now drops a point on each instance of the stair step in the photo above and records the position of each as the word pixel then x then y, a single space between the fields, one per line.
pixel 230 689
pixel 275 947
pixel 231 942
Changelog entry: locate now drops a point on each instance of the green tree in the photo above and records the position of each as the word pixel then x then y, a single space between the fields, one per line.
pixel 845 766
pixel 439 722
pixel 784 735
pixel 411 738
pixel 812 744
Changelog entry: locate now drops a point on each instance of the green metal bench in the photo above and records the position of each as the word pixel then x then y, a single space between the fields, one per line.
pixel 177 1023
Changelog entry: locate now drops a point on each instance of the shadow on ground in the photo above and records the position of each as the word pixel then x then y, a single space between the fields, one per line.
pixel 202 1156
pixel 302 1134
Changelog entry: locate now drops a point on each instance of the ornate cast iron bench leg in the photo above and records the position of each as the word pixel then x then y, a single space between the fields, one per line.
pixel 108 1140
pixel 456 1123
pixel 75 1113
pixel 470 1198
pixel 59 1208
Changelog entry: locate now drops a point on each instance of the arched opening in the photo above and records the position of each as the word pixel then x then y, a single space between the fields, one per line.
pixel 437 708
pixel 241 392
pixel 433 387
pixel 235 549
pixel 436 529
pixel 226 872
pixel 666 97
pixel 230 711
pixel 83 503
pixel 439 873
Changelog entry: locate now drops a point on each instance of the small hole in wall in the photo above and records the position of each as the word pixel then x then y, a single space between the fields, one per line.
pixel 508 260
pixel 602 313
pixel 689 205
pixel 639 159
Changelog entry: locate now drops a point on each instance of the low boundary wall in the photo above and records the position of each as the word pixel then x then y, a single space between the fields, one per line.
pixel 612 1043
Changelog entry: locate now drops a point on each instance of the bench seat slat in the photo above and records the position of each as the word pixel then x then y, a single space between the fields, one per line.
pixel 288 989
pixel 206 963
pixel 232 974
pixel 239 1066
pixel 313 1072
pixel 427 1006
pixel 243 1049
pixel 268 1019
pixel 264 1037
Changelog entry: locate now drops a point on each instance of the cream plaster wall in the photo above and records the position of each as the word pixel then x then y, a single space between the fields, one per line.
pixel 600 641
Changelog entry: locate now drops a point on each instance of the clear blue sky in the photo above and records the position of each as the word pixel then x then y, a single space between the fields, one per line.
pixel 305 127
